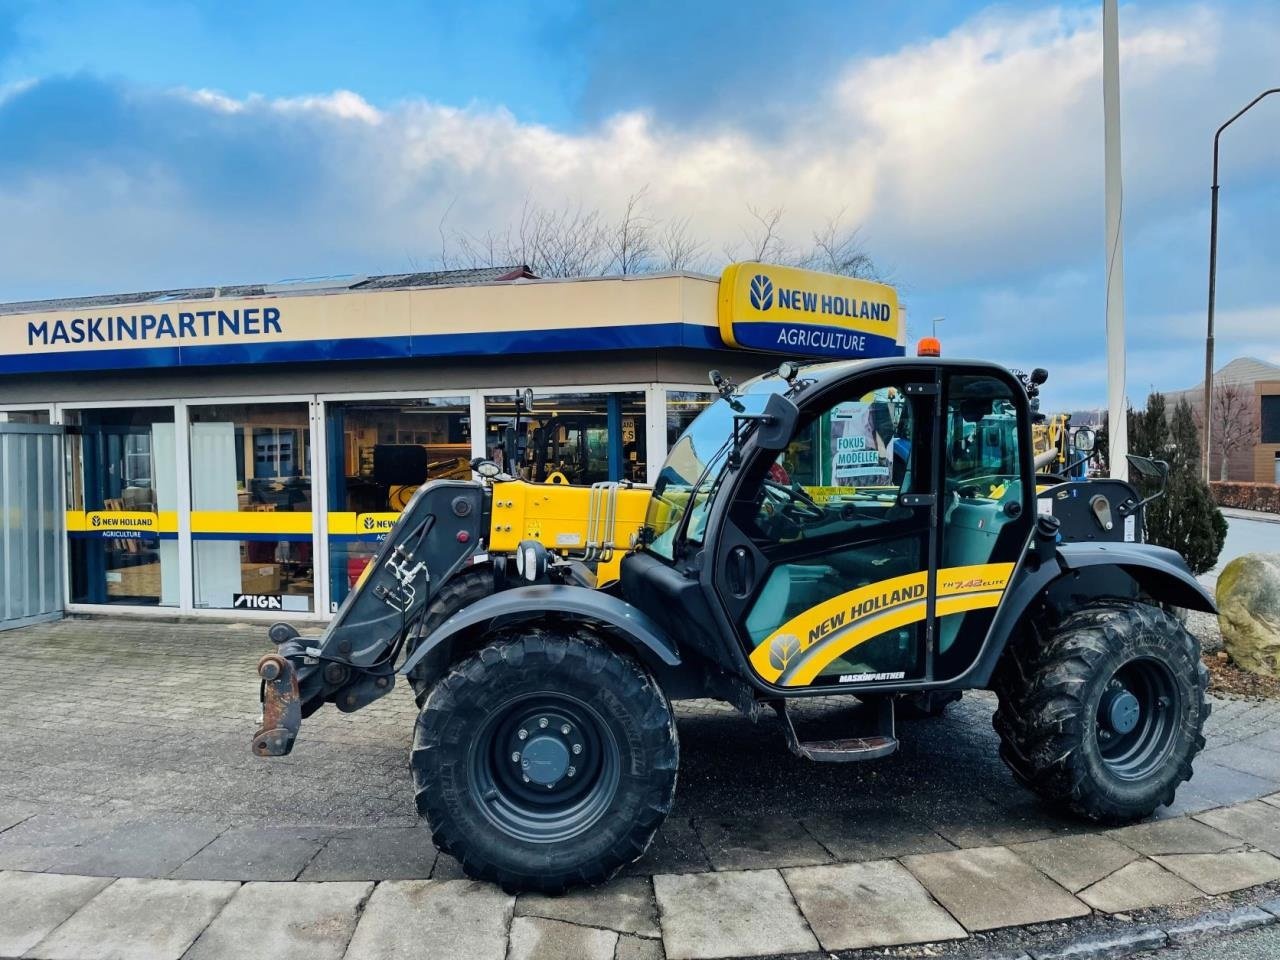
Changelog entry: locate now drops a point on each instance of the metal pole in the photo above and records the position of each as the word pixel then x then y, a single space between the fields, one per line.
pixel 1118 427
pixel 1213 284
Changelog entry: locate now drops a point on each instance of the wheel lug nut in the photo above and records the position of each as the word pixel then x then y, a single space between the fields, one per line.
pixel 577 749
pixel 542 724
pixel 515 757
pixel 565 729
pixel 525 779
pixel 523 734
pixel 572 771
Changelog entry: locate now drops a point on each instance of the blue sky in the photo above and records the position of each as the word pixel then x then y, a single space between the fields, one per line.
pixel 147 145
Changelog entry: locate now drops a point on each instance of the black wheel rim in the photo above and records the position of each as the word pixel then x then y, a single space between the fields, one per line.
pixel 1138 719
pixel 544 767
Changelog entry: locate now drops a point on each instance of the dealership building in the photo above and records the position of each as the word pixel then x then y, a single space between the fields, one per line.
pixel 241 448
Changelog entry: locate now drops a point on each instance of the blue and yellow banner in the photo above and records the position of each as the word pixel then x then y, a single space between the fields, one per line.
pixel 807 314
pixel 122 524
pixel 496 319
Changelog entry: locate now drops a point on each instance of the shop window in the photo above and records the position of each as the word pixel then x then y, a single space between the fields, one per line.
pixel 380 452
pixel 1270 417
pixel 579 438
pixel 24 416
pixel 251 506
pixel 683 407
pixel 121 506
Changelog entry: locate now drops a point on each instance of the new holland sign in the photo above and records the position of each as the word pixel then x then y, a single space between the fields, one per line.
pixel 808 314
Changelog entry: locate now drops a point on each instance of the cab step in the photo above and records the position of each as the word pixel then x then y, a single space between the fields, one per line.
pixel 874 743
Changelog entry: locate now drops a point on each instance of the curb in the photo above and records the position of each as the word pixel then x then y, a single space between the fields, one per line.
pixel 1140 938
pixel 1239 513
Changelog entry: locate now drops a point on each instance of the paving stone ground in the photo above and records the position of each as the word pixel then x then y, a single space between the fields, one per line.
pixel 145 775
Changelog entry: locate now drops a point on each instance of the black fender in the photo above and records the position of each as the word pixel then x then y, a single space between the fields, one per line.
pixel 536 601
pixel 1160 573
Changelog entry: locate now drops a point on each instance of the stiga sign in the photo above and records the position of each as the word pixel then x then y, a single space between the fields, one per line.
pixel 808 314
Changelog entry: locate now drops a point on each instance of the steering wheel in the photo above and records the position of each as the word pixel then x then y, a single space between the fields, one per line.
pixel 794 499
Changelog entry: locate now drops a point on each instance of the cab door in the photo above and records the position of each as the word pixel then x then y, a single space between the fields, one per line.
pixel 985 510
pixel 824 564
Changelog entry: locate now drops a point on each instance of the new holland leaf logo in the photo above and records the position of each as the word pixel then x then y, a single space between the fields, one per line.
pixel 761 292
pixel 368 523
pixel 96 520
pixel 783 650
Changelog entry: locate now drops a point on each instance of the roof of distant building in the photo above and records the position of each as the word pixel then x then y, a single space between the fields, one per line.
pixel 334 284
pixel 1241 370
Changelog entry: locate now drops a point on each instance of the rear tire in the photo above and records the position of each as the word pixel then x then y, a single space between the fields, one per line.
pixel 462 591
pixel 545 761
pixel 1103 713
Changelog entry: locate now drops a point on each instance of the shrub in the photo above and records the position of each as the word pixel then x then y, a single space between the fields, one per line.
pixel 1185 519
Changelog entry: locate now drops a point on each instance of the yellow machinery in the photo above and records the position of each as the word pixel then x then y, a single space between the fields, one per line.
pixel 597 524
pixel 1052 436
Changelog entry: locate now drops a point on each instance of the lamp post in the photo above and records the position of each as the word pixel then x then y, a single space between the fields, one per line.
pixel 1118 426
pixel 936 321
pixel 1213 279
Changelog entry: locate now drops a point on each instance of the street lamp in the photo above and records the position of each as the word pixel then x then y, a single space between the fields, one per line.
pixel 1213 277
pixel 936 321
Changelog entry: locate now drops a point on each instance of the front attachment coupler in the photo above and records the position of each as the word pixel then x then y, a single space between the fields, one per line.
pixel 281 707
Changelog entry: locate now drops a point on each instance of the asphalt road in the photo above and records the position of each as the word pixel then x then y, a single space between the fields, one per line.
pixel 1260 944
pixel 1247 536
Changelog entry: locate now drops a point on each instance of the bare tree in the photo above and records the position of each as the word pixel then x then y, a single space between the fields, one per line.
pixel 1235 422
pixel 838 249
pixel 762 238
pixel 571 241
pixel 677 249
pixel 564 242
pixel 631 243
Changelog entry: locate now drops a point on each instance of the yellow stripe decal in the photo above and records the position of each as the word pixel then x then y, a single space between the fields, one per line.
pixel 250 521
pixel 799 650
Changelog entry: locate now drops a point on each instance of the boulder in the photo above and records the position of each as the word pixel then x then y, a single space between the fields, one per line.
pixel 1249 612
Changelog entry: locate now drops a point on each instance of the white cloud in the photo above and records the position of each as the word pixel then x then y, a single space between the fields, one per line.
pixel 975 155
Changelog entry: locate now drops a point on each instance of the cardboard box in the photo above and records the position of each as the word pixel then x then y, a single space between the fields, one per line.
pixel 142 580
pixel 260 578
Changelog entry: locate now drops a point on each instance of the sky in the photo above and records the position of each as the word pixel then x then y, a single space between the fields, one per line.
pixel 153 145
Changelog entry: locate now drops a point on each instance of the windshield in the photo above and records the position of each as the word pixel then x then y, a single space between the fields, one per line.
pixel 695 465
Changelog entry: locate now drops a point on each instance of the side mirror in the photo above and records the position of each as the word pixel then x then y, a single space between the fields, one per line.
pixel 1084 440
pixel 1147 468
pixel 777 424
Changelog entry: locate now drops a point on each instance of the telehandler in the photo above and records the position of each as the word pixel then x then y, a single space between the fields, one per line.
pixel 870 528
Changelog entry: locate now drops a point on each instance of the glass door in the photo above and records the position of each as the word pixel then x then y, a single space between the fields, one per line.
pixel 251 518
pixel 985 510
pixel 122 506
pixel 825 562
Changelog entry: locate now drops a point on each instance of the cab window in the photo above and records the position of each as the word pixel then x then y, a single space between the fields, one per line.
pixel 844 470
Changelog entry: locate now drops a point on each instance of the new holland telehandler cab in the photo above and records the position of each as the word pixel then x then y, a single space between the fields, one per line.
pixel 869 528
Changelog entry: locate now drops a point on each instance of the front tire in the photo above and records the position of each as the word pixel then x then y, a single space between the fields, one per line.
pixel 1103 713
pixel 463 590
pixel 545 761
